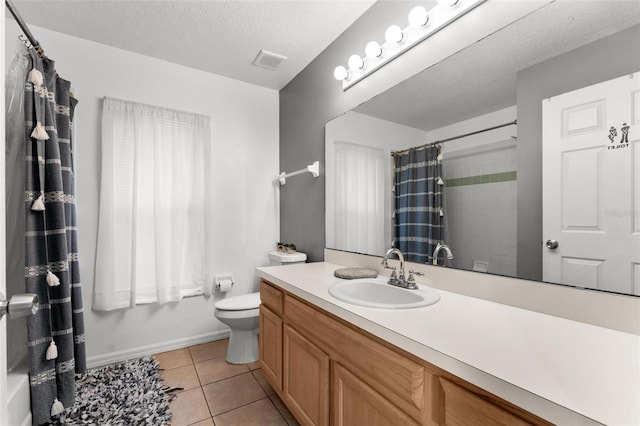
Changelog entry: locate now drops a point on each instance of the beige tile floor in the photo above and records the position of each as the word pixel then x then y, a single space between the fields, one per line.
pixel 218 393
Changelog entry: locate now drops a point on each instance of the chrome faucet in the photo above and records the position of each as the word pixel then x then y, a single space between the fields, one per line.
pixel 398 280
pixel 436 252
pixel 396 251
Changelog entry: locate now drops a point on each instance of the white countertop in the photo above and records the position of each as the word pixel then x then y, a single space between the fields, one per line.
pixel 564 371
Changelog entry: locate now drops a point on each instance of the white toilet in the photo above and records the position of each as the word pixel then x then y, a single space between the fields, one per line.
pixel 241 313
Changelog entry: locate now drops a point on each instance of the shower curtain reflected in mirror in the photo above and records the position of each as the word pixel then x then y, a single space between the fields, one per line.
pixel 418 194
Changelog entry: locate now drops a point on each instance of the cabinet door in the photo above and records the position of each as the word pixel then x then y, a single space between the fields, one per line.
pixel 356 403
pixel 270 340
pixel 306 379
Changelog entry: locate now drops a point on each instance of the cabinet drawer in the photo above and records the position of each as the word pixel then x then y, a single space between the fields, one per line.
pixel 271 297
pixel 396 377
pixel 464 408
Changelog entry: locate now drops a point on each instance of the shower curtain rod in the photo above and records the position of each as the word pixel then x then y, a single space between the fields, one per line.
pixel 23 26
pixel 404 151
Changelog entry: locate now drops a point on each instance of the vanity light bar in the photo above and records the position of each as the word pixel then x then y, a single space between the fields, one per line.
pixel 422 24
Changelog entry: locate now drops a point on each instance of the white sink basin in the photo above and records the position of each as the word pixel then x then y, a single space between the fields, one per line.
pixel 376 293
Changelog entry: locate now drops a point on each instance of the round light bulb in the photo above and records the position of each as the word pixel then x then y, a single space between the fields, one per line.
pixel 355 62
pixel 373 49
pixel 448 3
pixel 393 34
pixel 418 17
pixel 340 73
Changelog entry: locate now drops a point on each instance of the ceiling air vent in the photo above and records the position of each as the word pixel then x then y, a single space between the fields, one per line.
pixel 268 60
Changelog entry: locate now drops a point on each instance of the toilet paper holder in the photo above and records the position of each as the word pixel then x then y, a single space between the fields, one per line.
pixel 223 283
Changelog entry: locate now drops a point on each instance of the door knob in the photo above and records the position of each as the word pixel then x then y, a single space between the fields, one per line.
pixel 20 305
pixel 552 244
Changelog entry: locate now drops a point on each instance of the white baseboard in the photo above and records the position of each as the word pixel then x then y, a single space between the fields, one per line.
pixel 140 351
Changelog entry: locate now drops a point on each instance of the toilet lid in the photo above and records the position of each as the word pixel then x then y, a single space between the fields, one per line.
pixel 239 303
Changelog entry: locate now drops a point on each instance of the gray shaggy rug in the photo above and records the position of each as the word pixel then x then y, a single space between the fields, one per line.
pixel 126 393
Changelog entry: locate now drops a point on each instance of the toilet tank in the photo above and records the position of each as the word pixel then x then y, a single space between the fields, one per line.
pixel 279 258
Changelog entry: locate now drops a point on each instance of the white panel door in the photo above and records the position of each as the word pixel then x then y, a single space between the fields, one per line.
pixel 591 186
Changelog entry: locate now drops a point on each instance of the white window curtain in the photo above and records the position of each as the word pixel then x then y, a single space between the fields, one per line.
pixel 151 232
pixel 359 198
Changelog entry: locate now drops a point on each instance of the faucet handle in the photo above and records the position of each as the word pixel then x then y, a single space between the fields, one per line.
pixel 411 281
pixel 393 278
pixel 393 271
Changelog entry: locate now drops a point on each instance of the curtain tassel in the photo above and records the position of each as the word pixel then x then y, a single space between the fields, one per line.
pixel 38 204
pixel 39 133
pixel 57 407
pixel 52 351
pixel 52 280
pixel 35 77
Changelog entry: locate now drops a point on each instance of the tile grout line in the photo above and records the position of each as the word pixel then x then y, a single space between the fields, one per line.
pixel 224 378
pixel 277 410
pixel 235 408
pixel 249 403
pixel 247 370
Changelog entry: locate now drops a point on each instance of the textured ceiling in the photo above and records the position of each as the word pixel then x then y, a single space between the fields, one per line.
pixel 223 37
pixel 482 78
pixel 219 36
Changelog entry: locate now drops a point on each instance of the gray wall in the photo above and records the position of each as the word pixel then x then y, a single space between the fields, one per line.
pixel 309 101
pixel 602 60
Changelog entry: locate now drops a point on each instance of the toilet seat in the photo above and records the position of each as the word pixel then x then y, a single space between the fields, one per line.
pixel 239 303
pixel 244 313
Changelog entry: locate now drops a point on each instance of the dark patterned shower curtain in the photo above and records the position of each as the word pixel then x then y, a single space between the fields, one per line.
pixel 418 188
pixel 56 333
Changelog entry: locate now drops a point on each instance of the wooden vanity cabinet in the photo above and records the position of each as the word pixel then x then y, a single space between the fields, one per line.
pixel 327 371
pixel 296 368
pixel 397 379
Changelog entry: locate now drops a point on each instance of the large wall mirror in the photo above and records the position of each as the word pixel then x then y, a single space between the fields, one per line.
pixel 568 213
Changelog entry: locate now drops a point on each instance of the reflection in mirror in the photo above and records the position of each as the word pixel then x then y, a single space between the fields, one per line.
pixel 360 210
pixel 418 214
pixel 490 154
pixel 490 209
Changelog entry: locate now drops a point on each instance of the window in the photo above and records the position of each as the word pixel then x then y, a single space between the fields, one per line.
pixel 151 232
